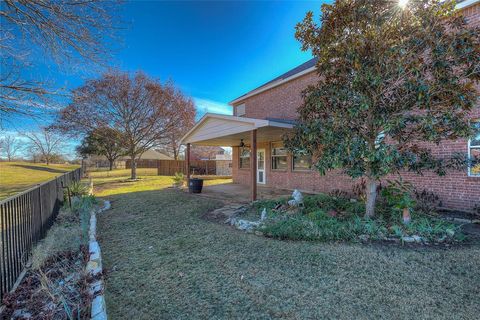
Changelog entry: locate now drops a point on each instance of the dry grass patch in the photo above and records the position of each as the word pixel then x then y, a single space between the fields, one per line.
pixel 164 261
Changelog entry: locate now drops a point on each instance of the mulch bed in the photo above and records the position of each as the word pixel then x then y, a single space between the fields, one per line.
pixel 59 290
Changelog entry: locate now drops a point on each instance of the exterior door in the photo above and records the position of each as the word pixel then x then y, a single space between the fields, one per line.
pixel 261 166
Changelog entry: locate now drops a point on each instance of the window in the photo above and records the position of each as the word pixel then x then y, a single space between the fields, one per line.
pixel 240 110
pixel 244 158
pixel 302 162
pixel 474 152
pixel 279 156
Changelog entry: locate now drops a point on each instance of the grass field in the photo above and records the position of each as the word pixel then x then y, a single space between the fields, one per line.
pixel 19 176
pixel 117 181
pixel 165 261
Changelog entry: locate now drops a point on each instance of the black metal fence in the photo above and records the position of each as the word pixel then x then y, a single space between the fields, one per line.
pixel 25 219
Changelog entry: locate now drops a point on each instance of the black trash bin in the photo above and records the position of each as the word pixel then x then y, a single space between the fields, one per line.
pixel 195 185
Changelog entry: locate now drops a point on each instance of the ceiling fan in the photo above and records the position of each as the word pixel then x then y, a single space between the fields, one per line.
pixel 242 145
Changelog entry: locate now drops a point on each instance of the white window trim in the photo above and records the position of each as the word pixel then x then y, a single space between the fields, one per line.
pixel 470 147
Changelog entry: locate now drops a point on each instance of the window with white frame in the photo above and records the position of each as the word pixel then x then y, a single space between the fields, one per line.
pixel 244 156
pixel 279 156
pixel 474 152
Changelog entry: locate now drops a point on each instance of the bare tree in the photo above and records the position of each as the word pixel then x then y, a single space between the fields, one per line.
pixel 62 31
pixel 141 109
pixel 10 146
pixel 186 119
pixel 45 143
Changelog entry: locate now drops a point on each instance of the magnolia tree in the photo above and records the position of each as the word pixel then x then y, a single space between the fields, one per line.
pixel 140 109
pixel 391 80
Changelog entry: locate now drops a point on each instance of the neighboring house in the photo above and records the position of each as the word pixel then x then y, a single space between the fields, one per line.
pixel 206 152
pixel 223 155
pixel 267 112
pixel 151 155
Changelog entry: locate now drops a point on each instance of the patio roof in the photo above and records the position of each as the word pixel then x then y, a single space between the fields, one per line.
pixel 223 130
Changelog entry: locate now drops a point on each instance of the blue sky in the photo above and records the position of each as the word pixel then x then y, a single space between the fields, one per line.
pixel 214 51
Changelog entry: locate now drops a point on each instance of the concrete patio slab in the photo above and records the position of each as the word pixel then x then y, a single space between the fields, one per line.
pixel 238 193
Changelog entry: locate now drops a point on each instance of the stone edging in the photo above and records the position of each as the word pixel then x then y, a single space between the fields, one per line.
pixel 94 267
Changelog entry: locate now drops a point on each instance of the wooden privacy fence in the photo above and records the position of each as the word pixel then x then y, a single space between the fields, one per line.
pixel 142 163
pixel 198 167
pixel 25 219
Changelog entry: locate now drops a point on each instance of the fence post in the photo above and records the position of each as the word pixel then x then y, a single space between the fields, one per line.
pixel 3 275
pixel 40 209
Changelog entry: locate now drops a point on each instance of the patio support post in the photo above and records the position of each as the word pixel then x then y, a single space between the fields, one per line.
pixel 187 163
pixel 253 163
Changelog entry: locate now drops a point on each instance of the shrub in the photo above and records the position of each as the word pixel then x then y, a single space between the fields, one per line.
pixel 426 202
pixel 178 179
pixel 316 221
pixel 339 193
pixel 78 189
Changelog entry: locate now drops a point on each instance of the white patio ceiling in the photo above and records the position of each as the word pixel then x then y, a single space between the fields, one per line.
pixel 224 130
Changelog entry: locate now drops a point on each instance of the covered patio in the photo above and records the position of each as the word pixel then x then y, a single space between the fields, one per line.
pixel 232 131
pixel 237 193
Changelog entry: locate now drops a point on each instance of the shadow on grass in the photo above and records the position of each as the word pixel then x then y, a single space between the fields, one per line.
pixel 47 169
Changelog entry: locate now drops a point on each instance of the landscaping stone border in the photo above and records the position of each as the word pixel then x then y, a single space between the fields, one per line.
pixel 94 267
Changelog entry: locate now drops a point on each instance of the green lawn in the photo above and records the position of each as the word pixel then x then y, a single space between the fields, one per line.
pixel 19 176
pixel 164 261
pixel 117 181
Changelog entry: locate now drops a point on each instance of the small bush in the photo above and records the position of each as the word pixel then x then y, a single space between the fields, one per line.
pixel 426 202
pixel 79 189
pixel 178 179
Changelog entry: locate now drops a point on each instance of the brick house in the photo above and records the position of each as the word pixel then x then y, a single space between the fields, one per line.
pixel 263 115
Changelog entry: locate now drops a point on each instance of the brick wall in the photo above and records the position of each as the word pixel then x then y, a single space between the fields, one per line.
pixel 456 190
pixel 279 102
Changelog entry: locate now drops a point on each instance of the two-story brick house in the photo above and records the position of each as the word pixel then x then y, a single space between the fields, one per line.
pixel 263 115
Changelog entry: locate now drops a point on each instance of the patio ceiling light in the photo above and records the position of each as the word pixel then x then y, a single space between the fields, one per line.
pixel 242 146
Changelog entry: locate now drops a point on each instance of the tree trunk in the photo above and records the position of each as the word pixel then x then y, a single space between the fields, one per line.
pixel 110 162
pixel 371 197
pixel 134 168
